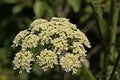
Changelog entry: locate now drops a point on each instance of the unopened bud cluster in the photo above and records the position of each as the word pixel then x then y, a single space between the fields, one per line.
pixel 50 43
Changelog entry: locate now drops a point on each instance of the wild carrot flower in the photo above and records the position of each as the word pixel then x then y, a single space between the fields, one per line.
pixel 54 42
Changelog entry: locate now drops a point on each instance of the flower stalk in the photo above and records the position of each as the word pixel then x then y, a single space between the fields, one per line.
pixel 115 9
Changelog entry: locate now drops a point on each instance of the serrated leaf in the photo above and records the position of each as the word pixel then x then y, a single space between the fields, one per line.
pixel 39 8
pixel 75 4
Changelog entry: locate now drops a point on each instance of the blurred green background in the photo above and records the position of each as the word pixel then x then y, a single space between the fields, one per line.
pixel 98 19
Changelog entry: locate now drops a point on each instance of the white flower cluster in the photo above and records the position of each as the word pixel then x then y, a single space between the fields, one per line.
pixel 19 37
pixel 70 62
pixel 23 61
pixel 54 42
pixel 46 59
pixel 30 41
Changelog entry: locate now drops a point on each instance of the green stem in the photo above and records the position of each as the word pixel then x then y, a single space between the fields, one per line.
pixel 115 15
pixel 115 66
pixel 60 68
pixel 104 68
pixel 61 72
pixel 114 21
pixel 91 77
pixel 113 29
pixel 64 75
pixel 67 75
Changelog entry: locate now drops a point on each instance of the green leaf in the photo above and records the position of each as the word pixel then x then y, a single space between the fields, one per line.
pixel 103 27
pixel 39 8
pixel 18 8
pixel 75 4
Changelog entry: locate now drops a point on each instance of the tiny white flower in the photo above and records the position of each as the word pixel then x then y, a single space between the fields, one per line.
pixel 47 59
pixel 57 41
pixel 19 37
pixel 31 41
pixel 23 61
pixel 70 63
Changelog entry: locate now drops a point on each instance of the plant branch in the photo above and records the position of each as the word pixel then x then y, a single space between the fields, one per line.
pixel 115 15
pixel 115 66
pixel 105 61
pixel 62 73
